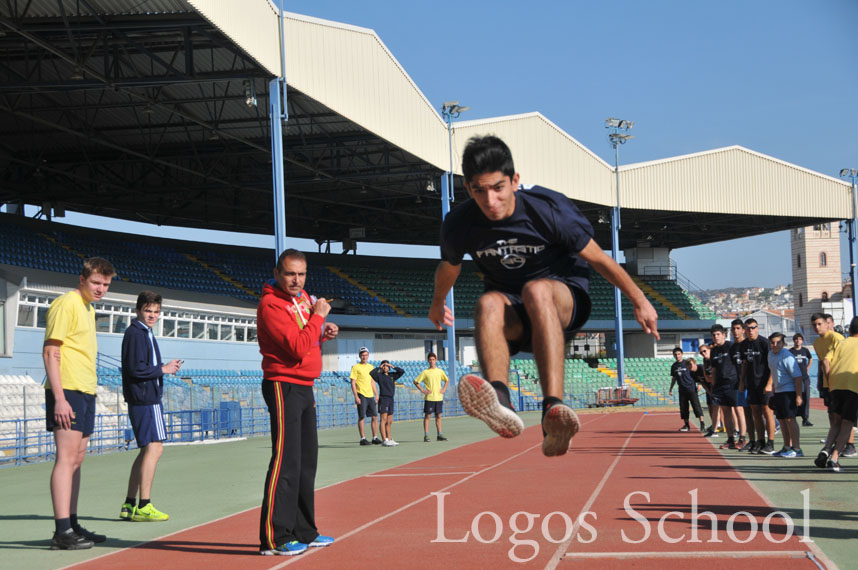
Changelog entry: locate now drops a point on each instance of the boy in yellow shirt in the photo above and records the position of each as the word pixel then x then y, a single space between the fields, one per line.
pixel 434 385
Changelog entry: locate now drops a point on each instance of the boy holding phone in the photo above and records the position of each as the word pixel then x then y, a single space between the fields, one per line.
pixel 143 387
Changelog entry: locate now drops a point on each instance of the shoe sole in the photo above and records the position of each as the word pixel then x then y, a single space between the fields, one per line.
pixel 281 553
pixel 84 546
pixel 135 519
pixel 479 400
pixel 821 460
pixel 560 425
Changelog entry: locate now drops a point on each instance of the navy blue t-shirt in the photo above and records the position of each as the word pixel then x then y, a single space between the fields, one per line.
pixel 723 367
pixel 541 239
pixel 683 376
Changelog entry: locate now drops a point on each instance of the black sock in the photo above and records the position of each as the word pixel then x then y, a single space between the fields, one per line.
pixel 73 520
pixel 62 525
pixel 503 394
pixel 131 501
pixel 143 502
pixel 771 442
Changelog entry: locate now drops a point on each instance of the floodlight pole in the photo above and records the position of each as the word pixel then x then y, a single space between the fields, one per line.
pixel 852 173
pixel 618 135
pixel 278 115
pixel 450 110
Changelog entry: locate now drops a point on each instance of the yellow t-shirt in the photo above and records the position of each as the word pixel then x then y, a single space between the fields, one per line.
pixel 71 320
pixel 363 381
pixel 844 365
pixel 823 347
pixel 432 379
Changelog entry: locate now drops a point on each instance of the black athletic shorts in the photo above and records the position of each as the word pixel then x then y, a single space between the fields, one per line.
pixel 844 403
pixel 385 404
pixel 581 308
pixel 83 407
pixel 757 395
pixel 436 408
pixel 367 407
pixel 725 395
pixel 784 405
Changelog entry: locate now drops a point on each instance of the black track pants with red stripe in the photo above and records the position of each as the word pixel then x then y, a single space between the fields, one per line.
pixel 288 499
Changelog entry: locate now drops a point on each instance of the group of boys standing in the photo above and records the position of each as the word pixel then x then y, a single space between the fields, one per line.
pixel 753 384
pixel 374 390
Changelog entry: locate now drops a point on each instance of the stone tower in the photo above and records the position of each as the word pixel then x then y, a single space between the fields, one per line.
pixel 816 276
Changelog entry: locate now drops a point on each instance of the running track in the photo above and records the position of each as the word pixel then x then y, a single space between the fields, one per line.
pixel 391 519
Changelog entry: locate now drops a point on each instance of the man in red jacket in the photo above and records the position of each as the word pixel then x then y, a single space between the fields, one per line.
pixel 291 327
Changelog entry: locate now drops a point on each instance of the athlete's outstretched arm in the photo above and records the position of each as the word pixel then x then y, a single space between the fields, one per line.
pixel 609 269
pixel 445 278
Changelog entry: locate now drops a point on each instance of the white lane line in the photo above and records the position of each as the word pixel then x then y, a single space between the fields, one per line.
pixel 561 550
pixel 689 554
pixel 422 474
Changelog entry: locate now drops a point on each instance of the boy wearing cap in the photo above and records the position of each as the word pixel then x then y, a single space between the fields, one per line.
pixel 365 391
pixel 385 376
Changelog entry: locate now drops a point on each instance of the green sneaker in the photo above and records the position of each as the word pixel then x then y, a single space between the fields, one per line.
pixel 148 514
pixel 126 511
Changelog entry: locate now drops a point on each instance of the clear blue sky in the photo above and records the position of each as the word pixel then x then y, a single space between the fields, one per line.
pixel 776 76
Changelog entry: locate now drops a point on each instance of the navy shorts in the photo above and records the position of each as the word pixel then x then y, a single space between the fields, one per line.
pixel 385 405
pixel 742 398
pixel 83 406
pixel 367 407
pixel 844 403
pixel 436 408
pixel 784 405
pixel 580 313
pixel 725 395
pixel 147 421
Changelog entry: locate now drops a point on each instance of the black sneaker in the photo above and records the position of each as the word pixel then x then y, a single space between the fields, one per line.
pixel 376 441
pixel 745 445
pixel 70 540
pixel 685 428
pixel 426 439
pixel 807 423
pixel 834 465
pixel 364 442
pixel 768 449
pixel 710 432
pixel 822 459
pixel 849 451
pixel 759 448
pixel 441 438
pixel 89 535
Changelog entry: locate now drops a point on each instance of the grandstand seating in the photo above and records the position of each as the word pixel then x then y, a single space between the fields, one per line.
pixel 402 287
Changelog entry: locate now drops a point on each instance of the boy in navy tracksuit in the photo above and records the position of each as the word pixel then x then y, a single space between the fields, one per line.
pixel 143 386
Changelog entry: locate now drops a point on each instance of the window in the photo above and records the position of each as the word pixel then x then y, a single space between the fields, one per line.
pixel 798 261
pixel 25 315
pixel 823 259
pixel 168 327
pixel 825 296
pixel 800 302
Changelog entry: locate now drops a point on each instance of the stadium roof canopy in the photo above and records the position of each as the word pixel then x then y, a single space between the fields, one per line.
pixel 145 111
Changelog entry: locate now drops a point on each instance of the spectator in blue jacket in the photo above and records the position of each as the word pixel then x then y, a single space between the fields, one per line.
pixel 143 385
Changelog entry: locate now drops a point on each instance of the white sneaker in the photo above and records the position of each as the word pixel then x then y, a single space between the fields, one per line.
pixel 560 425
pixel 393 443
pixel 387 443
pixel 480 400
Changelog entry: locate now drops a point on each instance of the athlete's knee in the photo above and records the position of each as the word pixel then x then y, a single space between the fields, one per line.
pixel 491 304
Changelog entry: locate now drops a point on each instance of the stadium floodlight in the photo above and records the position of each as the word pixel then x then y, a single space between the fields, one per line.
pixel 249 93
pixel 618 135
pixel 450 110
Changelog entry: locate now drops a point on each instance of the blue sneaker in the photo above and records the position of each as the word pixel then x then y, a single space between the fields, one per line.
pixel 322 540
pixel 790 453
pixel 781 452
pixel 290 548
pixel 798 452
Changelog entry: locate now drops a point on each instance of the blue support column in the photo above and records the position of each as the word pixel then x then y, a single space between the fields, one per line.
pixel 853 255
pixel 446 193
pixel 277 175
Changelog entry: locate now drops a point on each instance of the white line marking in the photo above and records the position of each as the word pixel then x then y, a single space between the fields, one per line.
pixel 691 554
pixel 561 550
pixel 421 474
